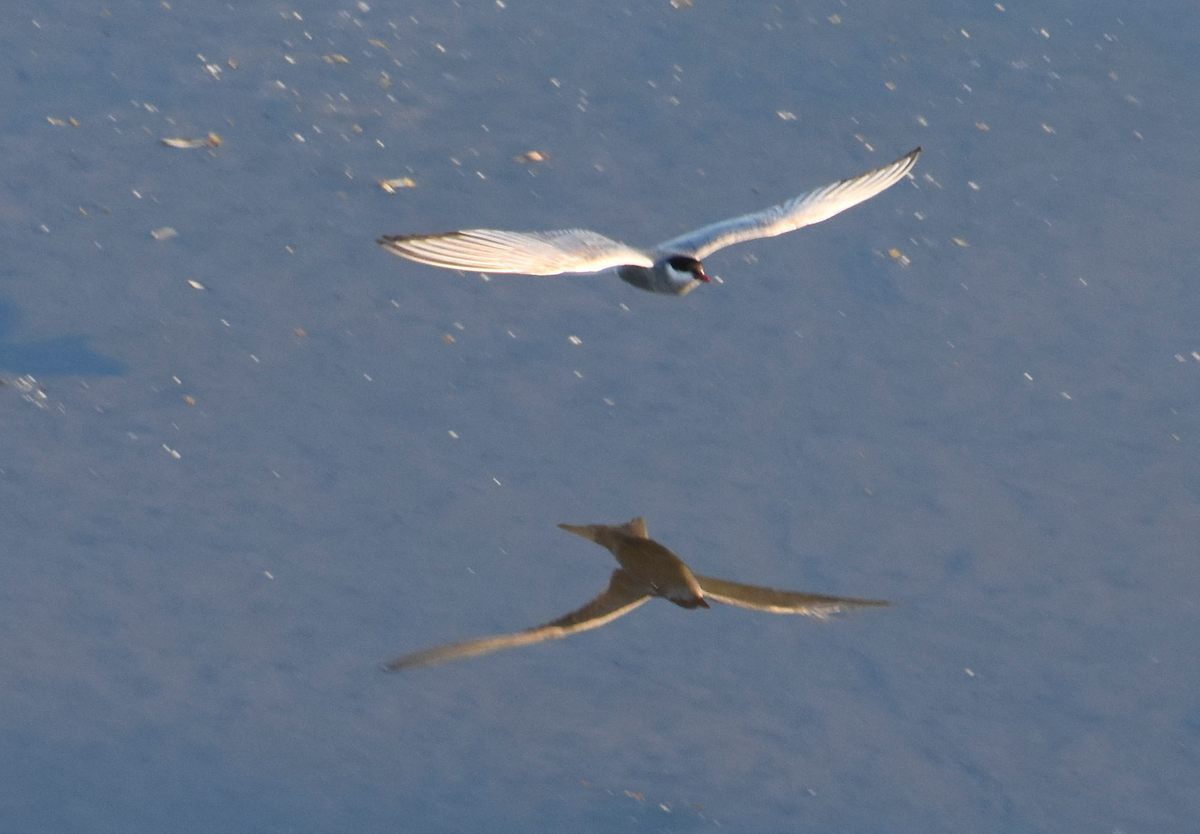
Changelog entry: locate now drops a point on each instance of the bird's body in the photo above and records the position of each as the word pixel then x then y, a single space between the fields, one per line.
pixel 647 570
pixel 673 268
pixel 647 561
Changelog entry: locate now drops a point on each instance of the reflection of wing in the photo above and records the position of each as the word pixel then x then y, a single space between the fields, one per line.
pixel 811 207
pixel 525 253
pixel 779 602
pixel 622 595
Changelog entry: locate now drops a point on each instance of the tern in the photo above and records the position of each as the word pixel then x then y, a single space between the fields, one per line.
pixel 672 268
pixel 647 570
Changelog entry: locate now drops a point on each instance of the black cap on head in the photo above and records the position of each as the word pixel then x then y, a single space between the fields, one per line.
pixel 682 263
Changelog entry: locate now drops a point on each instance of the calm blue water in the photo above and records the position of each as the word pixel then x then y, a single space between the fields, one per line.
pixel 224 506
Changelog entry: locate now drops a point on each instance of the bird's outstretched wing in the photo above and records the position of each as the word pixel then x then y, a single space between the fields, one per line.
pixel 804 210
pixel 622 595
pixel 523 253
pixel 780 602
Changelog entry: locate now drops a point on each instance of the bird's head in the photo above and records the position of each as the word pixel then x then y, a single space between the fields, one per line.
pixel 683 264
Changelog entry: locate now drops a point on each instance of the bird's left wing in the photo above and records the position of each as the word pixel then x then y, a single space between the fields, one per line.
pixel 780 602
pixel 522 253
pixel 622 595
pixel 809 208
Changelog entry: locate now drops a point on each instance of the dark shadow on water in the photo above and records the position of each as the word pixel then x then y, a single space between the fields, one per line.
pixel 60 356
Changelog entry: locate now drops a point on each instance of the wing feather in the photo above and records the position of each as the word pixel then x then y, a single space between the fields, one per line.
pixel 525 253
pixel 622 595
pixel 804 210
pixel 780 602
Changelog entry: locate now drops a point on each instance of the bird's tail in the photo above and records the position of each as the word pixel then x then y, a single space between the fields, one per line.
pixel 590 532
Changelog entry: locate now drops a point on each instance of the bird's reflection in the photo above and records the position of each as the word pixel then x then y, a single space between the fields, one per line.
pixel 647 570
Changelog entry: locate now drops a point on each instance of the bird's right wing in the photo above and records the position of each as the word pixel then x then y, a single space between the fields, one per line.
pixel 522 253
pixel 780 602
pixel 622 595
pixel 804 210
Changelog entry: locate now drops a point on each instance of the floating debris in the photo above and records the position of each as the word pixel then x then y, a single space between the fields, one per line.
pixel 532 156
pixel 31 391
pixel 165 233
pixel 183 143
pixel 391 185
pixel 57 122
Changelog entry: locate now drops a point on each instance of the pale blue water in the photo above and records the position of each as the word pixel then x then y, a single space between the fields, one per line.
pixel 997 431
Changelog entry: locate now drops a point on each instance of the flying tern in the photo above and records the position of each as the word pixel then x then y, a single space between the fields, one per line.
pixel 672 268
pixel 647 570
